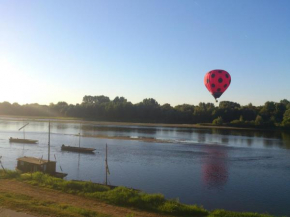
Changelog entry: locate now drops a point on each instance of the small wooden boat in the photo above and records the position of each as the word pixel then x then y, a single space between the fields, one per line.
pixel 16 140
pixel 77 149
pixel 32 164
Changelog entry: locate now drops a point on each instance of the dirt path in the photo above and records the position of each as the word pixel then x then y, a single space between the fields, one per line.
pixel 11 213
pixel 13 186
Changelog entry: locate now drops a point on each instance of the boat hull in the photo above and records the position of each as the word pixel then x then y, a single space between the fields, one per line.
pixel 16 140
pixel 77 149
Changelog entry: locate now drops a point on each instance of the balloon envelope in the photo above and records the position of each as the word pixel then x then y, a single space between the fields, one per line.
pixel 217 81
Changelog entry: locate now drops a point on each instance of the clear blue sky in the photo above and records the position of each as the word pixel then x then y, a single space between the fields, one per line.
pixel 60 50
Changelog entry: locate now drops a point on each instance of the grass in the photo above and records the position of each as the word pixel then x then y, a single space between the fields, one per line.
pixel 122 196
pixel 223 213
pixel 22 202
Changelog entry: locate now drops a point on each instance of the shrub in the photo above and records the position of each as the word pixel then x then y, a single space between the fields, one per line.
pixel 223 213
pixel 218 121
pixel 9 174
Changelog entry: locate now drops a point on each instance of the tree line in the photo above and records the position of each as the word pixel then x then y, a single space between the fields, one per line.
pixel 102 108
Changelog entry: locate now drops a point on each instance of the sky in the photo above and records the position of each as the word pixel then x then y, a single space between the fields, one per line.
pixel 62 50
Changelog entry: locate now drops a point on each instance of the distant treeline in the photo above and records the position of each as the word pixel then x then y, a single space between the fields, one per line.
pixel 101 108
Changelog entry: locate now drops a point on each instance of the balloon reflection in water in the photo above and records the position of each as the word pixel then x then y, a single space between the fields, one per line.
pixel 214 169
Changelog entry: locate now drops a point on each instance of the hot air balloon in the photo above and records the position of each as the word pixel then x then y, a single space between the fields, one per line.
pixel 217 81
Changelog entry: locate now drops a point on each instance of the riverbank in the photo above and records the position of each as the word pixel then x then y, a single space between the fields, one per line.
pixel 42 195
pixel 108 123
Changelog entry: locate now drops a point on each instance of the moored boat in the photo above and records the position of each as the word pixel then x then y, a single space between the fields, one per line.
pixel 16 140
pixel 77 149
pixel 32 164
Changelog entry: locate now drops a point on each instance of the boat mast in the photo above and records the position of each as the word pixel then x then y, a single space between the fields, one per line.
pixel 80 136
pixel 23 127
pixel 48 158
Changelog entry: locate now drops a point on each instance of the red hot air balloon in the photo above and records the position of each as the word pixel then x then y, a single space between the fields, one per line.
pixel 217 81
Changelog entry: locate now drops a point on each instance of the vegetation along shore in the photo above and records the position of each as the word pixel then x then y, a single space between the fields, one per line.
pixel 43 195
pixel 101 108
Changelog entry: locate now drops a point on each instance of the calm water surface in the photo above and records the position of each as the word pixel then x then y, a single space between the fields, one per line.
pixel 219 169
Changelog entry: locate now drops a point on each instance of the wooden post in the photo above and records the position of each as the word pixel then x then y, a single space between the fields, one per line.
pixel 80 136
pixel 48 158
pixel 106 164
pixel 2 165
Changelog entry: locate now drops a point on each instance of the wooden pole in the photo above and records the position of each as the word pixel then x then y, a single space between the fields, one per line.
pixel 80 136
pixel 48 158
pixel 106 164
pixel 2 165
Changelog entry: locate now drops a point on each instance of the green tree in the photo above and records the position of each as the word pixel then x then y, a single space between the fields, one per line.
pixel 96 99
pixel 119 100
pixel 286 118
pixel 259 120
pixel 218 121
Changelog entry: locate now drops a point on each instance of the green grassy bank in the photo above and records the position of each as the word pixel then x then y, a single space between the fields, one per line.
pixel 119 196
pixel 26 203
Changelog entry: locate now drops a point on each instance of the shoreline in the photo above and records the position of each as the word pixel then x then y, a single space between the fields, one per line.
pixel 114 123
pixel 43 195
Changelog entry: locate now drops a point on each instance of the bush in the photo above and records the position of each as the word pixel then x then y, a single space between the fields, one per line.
pixel 46 180
pixel 237 123
pixel 9 174
pixel 218 121
pixel 153 202
pixel 223 213
pixel 259 120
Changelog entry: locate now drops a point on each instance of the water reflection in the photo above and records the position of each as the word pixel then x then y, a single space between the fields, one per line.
pixel 249 141
pixel 286 139
pixel 268 142
pixel 201 138
pixel 225 136
pixel 214 169
pixel 225 140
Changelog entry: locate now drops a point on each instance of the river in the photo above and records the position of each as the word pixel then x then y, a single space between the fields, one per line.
pixel 239 170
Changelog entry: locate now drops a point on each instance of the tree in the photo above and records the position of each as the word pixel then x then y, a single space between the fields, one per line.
pixel 229 105
pixel 285 102
pixel 119 99
pixel 218 121
pixel 149 110
pixel 229 111
pixel 95 99
pixel 267 110
pixel 166 107
pixel 280 109
pixel 259 120
pixel 150 102
pixel 286 118
pixel 241 118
